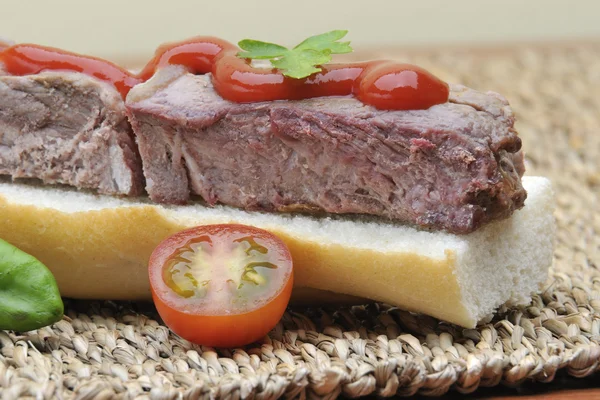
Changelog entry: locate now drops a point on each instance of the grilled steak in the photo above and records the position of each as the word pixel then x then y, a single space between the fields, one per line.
pixel 454 166
pixel 67 128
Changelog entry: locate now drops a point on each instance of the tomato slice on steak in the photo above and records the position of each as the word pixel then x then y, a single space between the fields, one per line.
pixel 221 285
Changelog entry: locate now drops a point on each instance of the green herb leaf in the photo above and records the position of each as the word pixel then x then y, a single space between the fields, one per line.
pixel 300 64
pixel 258 50
pixel 301 61
pixel 327 42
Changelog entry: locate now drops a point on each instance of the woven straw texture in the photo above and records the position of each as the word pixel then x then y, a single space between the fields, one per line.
pixel 105 349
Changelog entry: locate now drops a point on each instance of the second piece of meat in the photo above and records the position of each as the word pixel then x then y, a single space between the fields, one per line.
pixel 454 166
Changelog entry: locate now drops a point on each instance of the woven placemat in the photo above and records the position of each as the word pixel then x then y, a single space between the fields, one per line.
pixel 105 349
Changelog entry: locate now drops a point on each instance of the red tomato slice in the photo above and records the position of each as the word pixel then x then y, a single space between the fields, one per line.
pixel 221 285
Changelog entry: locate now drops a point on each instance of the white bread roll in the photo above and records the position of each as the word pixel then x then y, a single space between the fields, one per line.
pixel 98 247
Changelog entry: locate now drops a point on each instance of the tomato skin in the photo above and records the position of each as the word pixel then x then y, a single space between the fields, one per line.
pixel 225 331
pixel 215 321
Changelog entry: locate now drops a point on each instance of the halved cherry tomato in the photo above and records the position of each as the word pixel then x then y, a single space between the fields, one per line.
pixel 221 285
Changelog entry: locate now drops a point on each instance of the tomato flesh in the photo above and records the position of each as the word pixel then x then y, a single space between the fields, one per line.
pixel 221 285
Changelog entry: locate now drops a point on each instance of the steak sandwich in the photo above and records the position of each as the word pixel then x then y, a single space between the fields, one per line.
pixel 422 206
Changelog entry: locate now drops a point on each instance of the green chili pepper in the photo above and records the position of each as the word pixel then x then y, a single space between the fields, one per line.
pixel 29 296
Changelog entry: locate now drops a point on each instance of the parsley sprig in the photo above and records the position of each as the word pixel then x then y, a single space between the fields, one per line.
pixel 301 61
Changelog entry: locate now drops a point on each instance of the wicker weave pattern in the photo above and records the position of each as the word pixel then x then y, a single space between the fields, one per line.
pixel 105 349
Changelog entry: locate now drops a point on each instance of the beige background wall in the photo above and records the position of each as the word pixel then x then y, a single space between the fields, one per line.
pixel 133 28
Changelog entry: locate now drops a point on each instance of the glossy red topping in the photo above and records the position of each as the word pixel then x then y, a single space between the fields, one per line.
pixel 197 54
pixel 28 59
pixel 383 84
